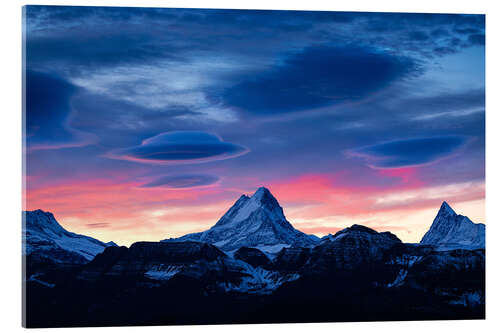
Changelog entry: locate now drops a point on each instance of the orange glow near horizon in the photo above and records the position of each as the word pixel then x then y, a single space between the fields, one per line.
pixel 313 203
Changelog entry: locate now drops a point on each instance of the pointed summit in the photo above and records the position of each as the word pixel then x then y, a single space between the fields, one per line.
pixel 262 192
pixel 264 198
pixel 256 221
pixel 446 209
pixel 262 189
pixel 450 231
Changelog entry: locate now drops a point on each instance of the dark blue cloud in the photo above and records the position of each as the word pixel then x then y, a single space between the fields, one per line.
pixel 102 36
pixel 418 35
pixel 319 76
pixel 48 111
pixel 409 152
pixel 79 38
pixel 103 48
pixel 180 147
pixel 477 39
pixel 182 181
pixel 132 46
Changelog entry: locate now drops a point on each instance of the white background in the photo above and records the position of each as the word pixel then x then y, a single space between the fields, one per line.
pixel 10 158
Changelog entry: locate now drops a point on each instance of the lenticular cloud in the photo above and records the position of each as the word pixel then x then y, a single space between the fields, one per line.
pixel 410 152
pixel 182 181
pixel 180 147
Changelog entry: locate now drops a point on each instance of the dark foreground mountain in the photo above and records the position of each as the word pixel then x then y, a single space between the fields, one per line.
pixel 358 274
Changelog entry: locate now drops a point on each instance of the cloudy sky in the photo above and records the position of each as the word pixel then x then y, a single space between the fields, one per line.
pixel 145 124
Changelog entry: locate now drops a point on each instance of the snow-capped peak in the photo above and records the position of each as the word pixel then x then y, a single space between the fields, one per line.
pixel 256 221
pixel 245 206
pixel 45 236
pixel 450 230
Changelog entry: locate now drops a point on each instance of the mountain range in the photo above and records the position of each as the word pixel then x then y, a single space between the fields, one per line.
pixel 255 221
pixel 254 266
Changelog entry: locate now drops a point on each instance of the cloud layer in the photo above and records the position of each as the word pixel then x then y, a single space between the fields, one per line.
pixel 319 76
pixel 48 112
pixel 409 152
pixel 182 181
pixel 180 147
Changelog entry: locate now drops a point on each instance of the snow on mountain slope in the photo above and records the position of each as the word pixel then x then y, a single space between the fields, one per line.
pixel 256 221
pixel 257 280
pixel 450 230
pixel 45 237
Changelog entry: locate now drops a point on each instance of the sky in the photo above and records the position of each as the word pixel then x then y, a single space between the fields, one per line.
pixel 146 124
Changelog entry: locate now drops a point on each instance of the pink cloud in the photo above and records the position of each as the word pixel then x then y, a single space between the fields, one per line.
pixel 102 199
pixel 118 209
pixel 323 197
